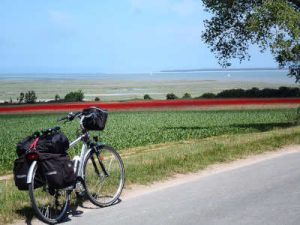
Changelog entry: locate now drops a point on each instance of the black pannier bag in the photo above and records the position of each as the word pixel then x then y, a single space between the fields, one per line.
pixel 94 118
pixel 57 169
pixel 21 167
pixel 56 143
pixel 24 145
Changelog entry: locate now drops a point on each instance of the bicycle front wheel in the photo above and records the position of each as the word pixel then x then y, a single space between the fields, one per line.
pixel 104 176
pixel 49 204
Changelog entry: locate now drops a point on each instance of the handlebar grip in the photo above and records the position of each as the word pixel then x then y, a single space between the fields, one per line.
pixel 71 116
pixel 63 118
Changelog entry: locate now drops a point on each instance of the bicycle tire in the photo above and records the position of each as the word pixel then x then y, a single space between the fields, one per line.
pixel 45 200
pixel 104 190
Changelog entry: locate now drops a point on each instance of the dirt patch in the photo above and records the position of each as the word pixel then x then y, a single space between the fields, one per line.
pixel 6 177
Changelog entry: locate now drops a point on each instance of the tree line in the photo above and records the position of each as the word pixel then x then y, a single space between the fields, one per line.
pixel 78 96
pixel 282 92
pixel 30 97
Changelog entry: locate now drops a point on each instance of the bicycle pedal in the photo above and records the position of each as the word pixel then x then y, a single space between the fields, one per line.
pixel 79 188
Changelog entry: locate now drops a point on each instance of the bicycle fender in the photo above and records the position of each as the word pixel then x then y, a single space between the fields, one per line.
pixel 30 172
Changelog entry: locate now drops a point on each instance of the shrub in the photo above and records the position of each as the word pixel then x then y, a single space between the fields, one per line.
pixel 57 98
pixel 147 97
pixel 97 99
pixel 171 96
pixel 187 96
pixel 21 97
pixel 30 97
pixel 232 93
pixel 208 95
pixel 76 96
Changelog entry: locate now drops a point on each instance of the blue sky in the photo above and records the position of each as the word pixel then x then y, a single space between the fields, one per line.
pixel 110 36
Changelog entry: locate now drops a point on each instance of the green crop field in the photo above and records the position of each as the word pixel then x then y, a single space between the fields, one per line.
pixel 132 129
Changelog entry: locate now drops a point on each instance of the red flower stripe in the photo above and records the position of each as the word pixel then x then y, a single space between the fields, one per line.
pixel 146 104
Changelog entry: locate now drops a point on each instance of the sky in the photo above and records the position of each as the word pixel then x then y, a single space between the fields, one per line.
pixel 107 36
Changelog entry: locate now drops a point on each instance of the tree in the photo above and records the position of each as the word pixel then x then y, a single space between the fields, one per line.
pixel 171 96
pixel 76 96
pixel 208 95
pixel 187 96
pixel 147 97
pixel 273 24
pixel 30 97
pixel 97 99
pixel 21 97
pixel 57 98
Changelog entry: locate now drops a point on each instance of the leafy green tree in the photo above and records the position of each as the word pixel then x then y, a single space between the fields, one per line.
pixel 21 97
pixel 30 97
pixel 57 98
pixel 76 96
pixel 187 96
pixel 147 97
pixel 273 24
pixel 171 96
pixel 208 95
pixel 97 99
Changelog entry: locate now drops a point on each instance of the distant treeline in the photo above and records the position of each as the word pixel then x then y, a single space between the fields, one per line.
pixel 282 92
pixel 78 96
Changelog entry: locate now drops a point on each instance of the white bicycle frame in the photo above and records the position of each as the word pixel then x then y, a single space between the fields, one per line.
pixel 78 159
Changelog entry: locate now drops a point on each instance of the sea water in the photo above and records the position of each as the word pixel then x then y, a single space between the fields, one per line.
pixel 254 75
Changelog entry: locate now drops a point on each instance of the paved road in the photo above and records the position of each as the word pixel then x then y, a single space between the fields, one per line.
pixel 264 193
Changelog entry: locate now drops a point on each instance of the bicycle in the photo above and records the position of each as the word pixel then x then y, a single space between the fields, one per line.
pixel 100 176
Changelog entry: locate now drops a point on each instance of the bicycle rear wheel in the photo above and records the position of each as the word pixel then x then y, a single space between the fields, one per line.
pixel 104 176
pixel 49 204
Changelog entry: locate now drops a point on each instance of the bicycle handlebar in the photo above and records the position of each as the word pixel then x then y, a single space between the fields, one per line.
pixel 71 116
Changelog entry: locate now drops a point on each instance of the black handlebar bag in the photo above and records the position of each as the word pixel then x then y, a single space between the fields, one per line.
pixel 94 118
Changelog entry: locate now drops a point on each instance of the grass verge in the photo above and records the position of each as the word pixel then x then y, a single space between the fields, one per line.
pixel 148 164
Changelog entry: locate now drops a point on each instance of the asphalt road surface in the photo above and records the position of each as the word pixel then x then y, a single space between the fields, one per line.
pixel 264 193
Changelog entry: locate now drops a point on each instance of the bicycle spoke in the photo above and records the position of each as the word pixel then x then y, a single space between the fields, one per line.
pixel 102 182
pixel 105 188
pixel 47 212
pixel 50 205
pixel 110 164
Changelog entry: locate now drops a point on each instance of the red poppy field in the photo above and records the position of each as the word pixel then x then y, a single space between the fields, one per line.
pixel 145 104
